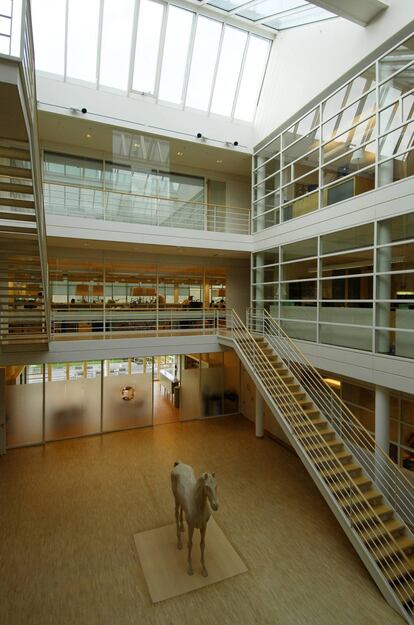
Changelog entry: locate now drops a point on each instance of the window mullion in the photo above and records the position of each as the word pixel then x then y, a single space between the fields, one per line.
pixel 236 95
pixel 133 46
pixel 161 51
pixel 216 68
pixel 99 43
pixel 189 59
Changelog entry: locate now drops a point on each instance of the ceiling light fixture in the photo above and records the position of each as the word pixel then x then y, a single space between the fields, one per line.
pixel 180 153
pixel 88 135
pixel 219 161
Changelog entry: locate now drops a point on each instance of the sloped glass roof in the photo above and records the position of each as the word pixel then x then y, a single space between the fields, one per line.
pixel 172 54
pixel 275 14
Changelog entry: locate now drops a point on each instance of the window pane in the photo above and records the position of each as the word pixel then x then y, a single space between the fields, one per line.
pixel 252 78
pixel 349 239
pixel 49 42
pixel 83 21
pixel 116 43
pixel 396 229
pixel 174 60
pixel 228 72
pixel 148 43
pixel 268 8
pixel 203 62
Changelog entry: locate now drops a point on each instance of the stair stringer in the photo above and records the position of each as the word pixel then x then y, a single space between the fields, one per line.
pixel 355 540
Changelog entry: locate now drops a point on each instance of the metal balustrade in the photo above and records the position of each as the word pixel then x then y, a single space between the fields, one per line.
pixel 395 485
pixel 119 323
pixel 387 559
pixel 90 202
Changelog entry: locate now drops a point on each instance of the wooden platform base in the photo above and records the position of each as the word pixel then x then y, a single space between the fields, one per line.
pixel 165 567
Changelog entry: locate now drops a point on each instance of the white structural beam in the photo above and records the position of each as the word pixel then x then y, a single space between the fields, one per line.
pixel 361 12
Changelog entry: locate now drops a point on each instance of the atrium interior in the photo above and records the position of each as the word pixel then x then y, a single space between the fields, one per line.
pixel 207 255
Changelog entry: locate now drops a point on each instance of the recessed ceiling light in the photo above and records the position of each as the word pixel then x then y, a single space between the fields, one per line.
pixel 219 161
pixel 88 135
pixel 180 153
pixel 137 145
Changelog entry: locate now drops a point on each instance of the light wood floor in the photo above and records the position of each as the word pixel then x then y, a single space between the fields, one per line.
pixel 68 513
pixel 164 410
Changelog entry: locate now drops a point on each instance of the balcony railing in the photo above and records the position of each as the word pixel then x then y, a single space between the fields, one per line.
pixel 127 323
pixel 91 203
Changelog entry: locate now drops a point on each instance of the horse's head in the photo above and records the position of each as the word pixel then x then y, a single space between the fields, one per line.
pixel 210 488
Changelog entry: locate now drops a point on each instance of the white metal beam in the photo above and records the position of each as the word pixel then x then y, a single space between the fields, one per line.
pixel 361 12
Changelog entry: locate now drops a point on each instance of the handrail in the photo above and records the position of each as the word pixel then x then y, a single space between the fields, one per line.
pixel 78 186
pixel 111 205
pixel 379 466
pixel 356 502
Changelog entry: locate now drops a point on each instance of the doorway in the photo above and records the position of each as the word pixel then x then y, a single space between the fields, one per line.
pixel 166 383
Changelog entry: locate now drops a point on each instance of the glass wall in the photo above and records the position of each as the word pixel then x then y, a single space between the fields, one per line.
pixel 351 288
pixel 359 138
pixel 73 399
pixel 360 398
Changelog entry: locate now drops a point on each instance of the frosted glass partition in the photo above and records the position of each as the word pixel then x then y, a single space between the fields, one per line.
pixel 127 401
pixel 346 336
pixel 308 313
pixel 304 331
pixel 72 408
pixel 211 380
pixel 231 382
pixel 190 407
pixel 336 314
pixel 24 404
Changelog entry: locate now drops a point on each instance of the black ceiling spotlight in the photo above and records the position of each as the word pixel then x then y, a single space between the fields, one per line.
pixel 235 143
pixel 199 135
pixel 84 110
pixel 75 109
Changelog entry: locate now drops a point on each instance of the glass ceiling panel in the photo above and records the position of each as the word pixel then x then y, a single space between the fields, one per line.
pixel 251 82
pixel 82 45
pixel 299 17
pixel 49 42
pixel 116 43
pixel 177 53
pixel 206 45
pixel 148 43
pixel 270 7
pixel 231 57
pixel 174 62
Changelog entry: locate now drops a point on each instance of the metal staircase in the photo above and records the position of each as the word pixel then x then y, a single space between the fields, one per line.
pixel 23 318
pixel 370 497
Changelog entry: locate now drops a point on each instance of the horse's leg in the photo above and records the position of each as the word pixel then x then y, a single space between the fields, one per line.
pixel 179 543
pixel 190 544
pixel 181 520
pixel 204 571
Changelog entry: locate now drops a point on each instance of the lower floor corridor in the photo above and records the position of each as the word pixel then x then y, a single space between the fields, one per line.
pixel 68 512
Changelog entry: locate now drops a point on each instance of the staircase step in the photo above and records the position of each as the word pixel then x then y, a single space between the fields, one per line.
pixel 9 201
pixel 306 423
pixel 15 172
pixel 336 471
pixel 398 570
pixel 323 449
pixel 405 592
pixel 16 188
pixel 19 154
pixel 344 485
pixel 327 434
pixel 17 216
pixel 393 526
pixel 382 511
pixel 341 456
pixel 392 548
pixel 356 501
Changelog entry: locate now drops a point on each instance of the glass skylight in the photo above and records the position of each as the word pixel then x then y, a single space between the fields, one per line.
pixel 276 14
pixel 179 56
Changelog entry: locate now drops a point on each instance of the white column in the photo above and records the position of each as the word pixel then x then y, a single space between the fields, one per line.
pixel 261 190
pixel 382 418
pixel 2 411
pixel 259 415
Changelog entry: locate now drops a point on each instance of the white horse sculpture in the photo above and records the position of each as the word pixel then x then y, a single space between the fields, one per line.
pixel 191 497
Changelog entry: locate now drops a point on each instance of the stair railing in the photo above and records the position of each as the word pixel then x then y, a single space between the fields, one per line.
pixel 350 500
pixel 394 484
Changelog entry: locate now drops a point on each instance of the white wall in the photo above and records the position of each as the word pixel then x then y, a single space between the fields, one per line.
pixel 306 60
pixel 238 288
pixel 137 112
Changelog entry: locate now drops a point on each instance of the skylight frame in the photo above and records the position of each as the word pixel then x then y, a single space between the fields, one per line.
pixel 197 12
